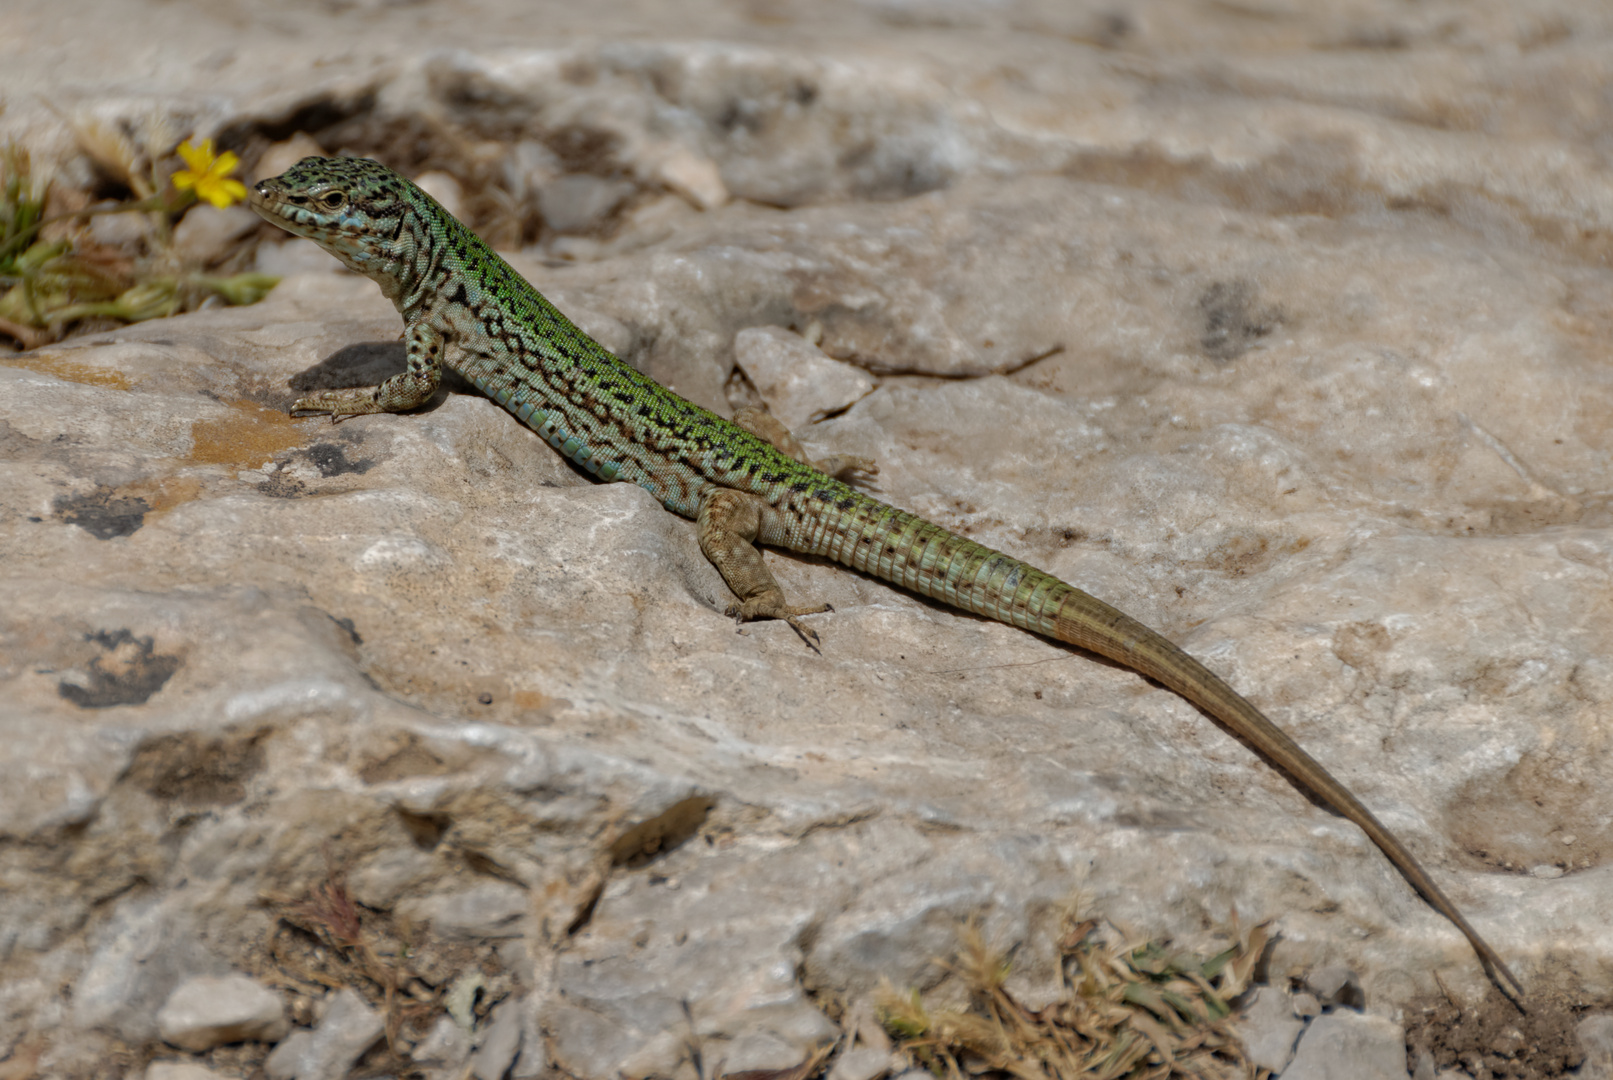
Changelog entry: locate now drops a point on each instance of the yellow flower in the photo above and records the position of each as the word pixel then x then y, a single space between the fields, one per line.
pixel 209 175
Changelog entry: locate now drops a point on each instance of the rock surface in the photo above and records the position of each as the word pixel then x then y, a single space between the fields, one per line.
pixel 208 1011
pixel 799 384
pixel 1286 329
pixel 180 1070
pixel 1348 1045
pixel 347 1029
pixel 1270 1029
pixel 500 1042
pixel 1595 1035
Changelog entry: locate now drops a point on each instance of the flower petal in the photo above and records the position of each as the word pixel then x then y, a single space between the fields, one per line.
pixel 199 158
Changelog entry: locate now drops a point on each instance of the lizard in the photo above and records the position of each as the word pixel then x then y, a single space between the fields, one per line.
pixel 744 483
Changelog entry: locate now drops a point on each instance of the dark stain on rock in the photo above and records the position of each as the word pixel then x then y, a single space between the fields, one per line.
pixel 127 672
pixel 331 460
pixel 1233 319
pixel 102 513
pixel 197 770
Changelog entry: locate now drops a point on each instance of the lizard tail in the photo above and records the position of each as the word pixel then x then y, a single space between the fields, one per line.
pixel 920 555
pixel 1088 622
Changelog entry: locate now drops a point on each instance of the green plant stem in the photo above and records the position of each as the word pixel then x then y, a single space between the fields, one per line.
pixel 146 205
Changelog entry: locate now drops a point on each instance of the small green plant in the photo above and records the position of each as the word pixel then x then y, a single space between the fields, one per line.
pixel 49 282
pixel 24 204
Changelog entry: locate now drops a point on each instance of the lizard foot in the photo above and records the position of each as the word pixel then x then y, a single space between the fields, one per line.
pixel 328 403
pixel 771 607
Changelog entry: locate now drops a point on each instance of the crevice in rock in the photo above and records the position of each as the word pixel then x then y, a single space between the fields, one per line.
pixel 662 833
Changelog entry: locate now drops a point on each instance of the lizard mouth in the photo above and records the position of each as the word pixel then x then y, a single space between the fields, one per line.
pixel 272 203
pixel 265 193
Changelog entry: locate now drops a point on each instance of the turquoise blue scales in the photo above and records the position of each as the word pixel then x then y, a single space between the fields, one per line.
pixel 549 429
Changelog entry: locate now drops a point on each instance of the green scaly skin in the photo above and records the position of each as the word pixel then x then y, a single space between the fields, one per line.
pixel 741 488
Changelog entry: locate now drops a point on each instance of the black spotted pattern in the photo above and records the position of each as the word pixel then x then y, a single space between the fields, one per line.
pixel 505 337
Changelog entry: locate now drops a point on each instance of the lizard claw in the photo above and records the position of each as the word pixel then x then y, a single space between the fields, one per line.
pixel 808 635
pixel 760 608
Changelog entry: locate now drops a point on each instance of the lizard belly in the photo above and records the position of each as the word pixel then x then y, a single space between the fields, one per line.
pixel 550 424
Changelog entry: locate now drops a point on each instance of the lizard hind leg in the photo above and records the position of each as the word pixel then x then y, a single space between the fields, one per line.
pixel 729 522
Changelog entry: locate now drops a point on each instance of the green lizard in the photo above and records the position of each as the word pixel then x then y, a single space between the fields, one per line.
pixel 744 483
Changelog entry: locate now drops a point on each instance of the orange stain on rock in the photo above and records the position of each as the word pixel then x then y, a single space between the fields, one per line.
pixel 58 365
pixel 531 699
pixel 250 436
pixel 166 493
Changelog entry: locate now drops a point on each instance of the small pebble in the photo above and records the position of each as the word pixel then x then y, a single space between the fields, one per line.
pixel 209 1011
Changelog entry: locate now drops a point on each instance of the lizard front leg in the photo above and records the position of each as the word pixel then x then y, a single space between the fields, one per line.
pixel 764 425
pixel 408 389
pixel 729 523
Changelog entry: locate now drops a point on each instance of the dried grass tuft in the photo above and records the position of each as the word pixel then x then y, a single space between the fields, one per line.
pixel 1130 1012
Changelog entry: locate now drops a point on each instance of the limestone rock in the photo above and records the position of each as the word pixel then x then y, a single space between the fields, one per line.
pixel 445 1045
pixel 348 1028
pixel 1269 1029
pixel 180 1070
pixel 1347 1045
pixel 864 1063
pixel 492 909
pixel 1287 335
pixel 1595 1034
pixel 208 1011
pixel 799 383
pixel 500 1042
pixel 206 231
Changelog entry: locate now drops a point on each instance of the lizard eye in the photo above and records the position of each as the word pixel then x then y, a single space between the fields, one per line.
pixel 332 200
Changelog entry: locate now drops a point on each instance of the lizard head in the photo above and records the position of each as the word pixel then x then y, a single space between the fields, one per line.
pixel 352 207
